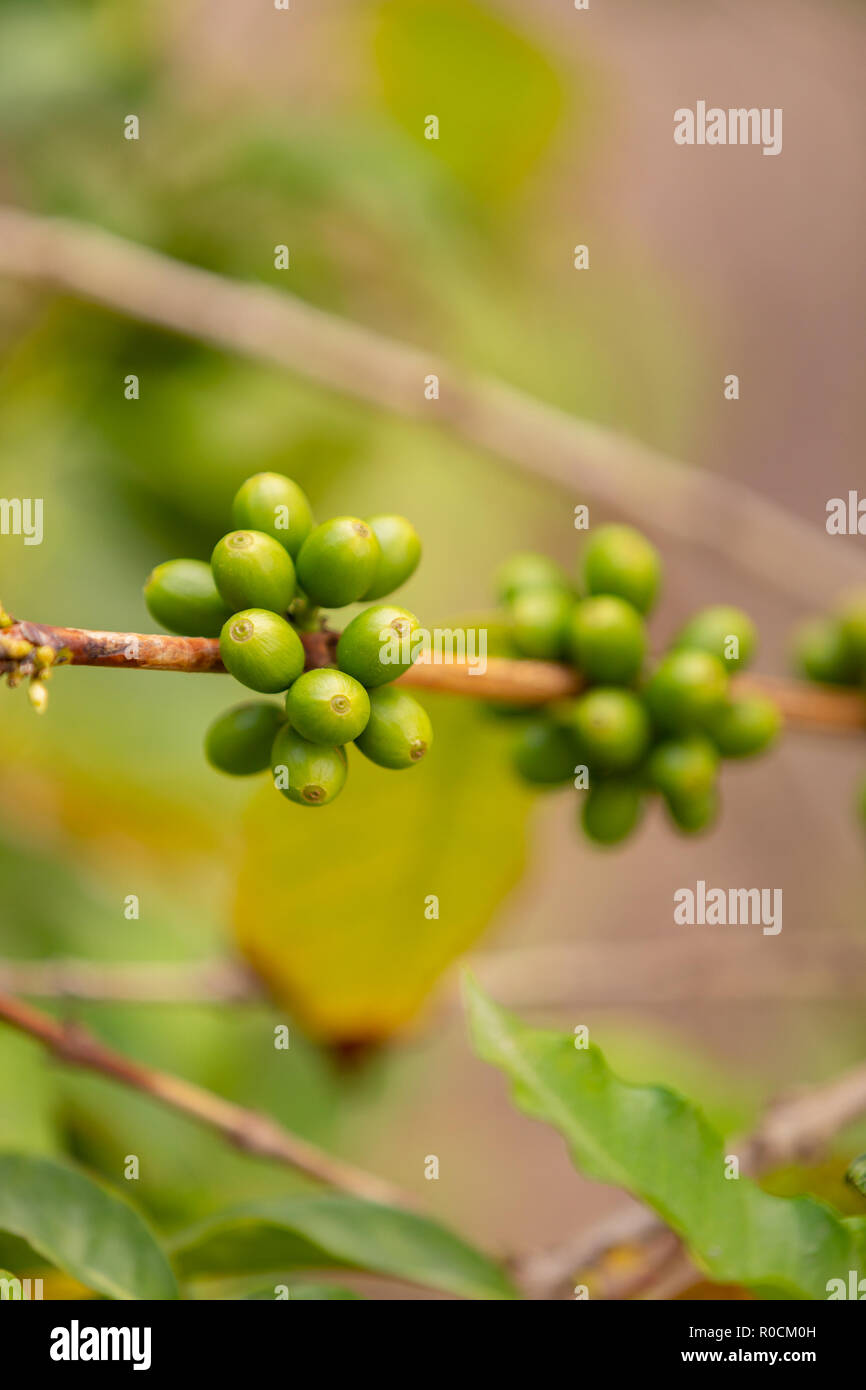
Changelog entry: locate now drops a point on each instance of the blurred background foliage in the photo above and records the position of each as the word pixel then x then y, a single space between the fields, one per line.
pixel 245 144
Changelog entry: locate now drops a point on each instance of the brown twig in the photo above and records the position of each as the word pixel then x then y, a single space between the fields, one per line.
pixel 274 326
pixel 254 1133
pixel 519 682
pixel 795 1129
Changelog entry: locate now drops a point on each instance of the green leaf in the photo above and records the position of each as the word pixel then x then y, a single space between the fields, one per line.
pixel 307 1293
pixel 82 1229
pixel 660 1147
pixel 353 954
pixel 335 1232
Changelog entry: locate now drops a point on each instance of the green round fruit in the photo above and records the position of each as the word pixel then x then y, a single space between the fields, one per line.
pixel 181 596
pixel 400 551
pixel 378 645
pixel 240 740
pixel 612 729
pixel 852 618
pixel 687 691
pixel 619 560
pixel 692 814
pixel 544 754
pixel 272 503
pixel 611 810
pixel 337 562
pixel 747 724
pixel 309 774
pixel 607 640
pixel 261 650
pixel 526 571
pixel 253 570
pixel 684 768
pixel 721 630
pixel 821 653
pixel 398 732
pixel 540 619
pixel 327 706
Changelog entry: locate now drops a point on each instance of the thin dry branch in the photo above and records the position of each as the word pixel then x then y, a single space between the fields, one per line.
pixel 254 1133
pixel 520 682
pixel 588 460
pixel 795 1129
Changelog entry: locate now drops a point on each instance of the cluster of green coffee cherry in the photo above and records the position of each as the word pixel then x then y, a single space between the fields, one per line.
pixel 264 587
pixel 632 731
pixel 832 651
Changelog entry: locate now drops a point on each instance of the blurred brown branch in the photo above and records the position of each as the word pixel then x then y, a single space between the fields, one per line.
pixel 256 1134
pixel 795 1129
pixel 696 507
pixel 520 682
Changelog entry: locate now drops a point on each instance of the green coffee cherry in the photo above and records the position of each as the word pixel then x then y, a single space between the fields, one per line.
pixel 540 619
pixel 684 769
pixel 544 754
pixel 400 551
pixel 261 650
pixel 327 706
pixel 852 619
pixel 337 562
pixel 692 814
pixel 612 729
pixel 822 653
pixel 687 691
pixel 181 596
pixel 722 631
pixel 619 560
pixel 309 774
pixel 747 724
pixel 253 570
pixel 526 571
pixel 398 732
pixel 240 740
pixel 377 645
pixel 607 640
pixel 611 810
pixel 272 503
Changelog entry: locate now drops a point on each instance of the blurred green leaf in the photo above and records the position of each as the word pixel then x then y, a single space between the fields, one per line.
pixel 337 1232
pixel 659 1147
pixel 82 1229
pixel 330 906
pixel 491 89
pixel 306 1293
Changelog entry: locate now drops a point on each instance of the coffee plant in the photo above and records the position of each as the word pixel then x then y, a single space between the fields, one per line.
pixel 831 650
pixel 640 726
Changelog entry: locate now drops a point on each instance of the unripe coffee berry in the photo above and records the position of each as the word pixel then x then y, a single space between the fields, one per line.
pixel 619 560
pixel 684 768
pixel 240 740
pixel 398 732
pixel 378 645
pixel 539 623
pixel 692 814
pixel 723 631
pixel 309 774
pixel 612 729
pixel 274 504
pixel 253 570
pixel 822 653
pixel 544 754
pixel 337 562
pixel 611 810
pixel 686 691
pixel 607 640
pixel 746 725
pixel 261 650
pixel 852 618
pixel 400 551
pixel 328 706
pixel 526 571
pixel 181 596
